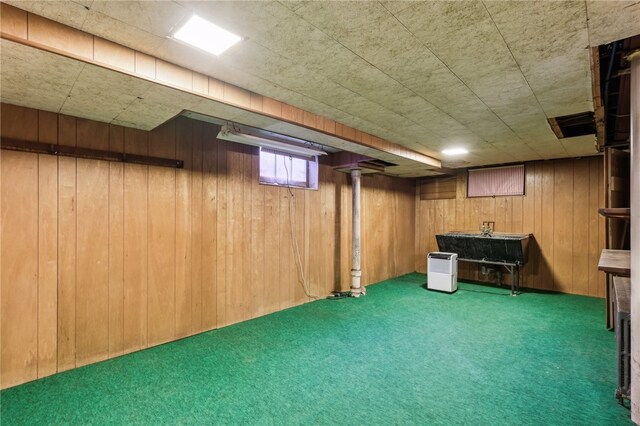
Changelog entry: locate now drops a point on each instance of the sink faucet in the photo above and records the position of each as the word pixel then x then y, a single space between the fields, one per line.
pixel 486 230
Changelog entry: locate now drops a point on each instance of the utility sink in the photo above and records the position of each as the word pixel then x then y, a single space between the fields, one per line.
pixel 498 247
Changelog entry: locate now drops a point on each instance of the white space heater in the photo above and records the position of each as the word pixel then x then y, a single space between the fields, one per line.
pixel 442 272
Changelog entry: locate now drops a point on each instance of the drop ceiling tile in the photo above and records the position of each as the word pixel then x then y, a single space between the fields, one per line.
pixel 293 5
pixel 101 95
pixel 145 16
pixel 394 6
pixel 535 30
pixel 348 22
pixel 456 32
pixel 507 88
pixel 518 150
pixel 549 41
pixel 120 32
pixel 611 21
pixel 155 106
pixel 366 28
pixel 580 146
pixel 549 150
pixel 328 93
pixel 476 71
pixel 70 13
pixel 34 78
pixel 440 87
pixel 493 130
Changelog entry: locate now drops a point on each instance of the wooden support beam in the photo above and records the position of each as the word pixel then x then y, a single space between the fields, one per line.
pixel 555 127
pixel 598 107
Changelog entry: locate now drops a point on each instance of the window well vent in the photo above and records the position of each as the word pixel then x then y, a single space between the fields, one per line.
pixel 569 126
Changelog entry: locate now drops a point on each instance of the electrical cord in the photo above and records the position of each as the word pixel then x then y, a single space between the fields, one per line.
pixel 292 223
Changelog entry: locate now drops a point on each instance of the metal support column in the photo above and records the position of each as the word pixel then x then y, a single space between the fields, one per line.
pixel 356 289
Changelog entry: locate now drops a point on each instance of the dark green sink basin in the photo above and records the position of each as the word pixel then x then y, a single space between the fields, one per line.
pixel 499 247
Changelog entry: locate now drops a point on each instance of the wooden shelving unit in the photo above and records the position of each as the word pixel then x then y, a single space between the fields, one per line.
pixel 615 262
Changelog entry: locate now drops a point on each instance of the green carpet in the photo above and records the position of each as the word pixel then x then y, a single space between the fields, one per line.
pixel 400 355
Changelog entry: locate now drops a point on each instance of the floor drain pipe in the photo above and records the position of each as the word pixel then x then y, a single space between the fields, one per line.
pixel 356 289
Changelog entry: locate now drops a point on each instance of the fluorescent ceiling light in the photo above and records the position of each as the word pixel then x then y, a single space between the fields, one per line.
pixel 204 35
pixel 454 151
pixel 227 133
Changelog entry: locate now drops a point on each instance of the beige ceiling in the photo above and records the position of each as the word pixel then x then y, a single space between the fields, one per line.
pixel 427 75
pixel 45 80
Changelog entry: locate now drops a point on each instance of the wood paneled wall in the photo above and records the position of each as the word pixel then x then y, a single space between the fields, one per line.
pixel 439 188
pixel 100 259
pixel 560 209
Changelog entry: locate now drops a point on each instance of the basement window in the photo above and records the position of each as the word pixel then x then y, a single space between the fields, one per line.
pixel 290 170
pixel 496 181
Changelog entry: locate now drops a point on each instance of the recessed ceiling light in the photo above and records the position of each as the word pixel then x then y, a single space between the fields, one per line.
pixel 454 151
pixel 204 35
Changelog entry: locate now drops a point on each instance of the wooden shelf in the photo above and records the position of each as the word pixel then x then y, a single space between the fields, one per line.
pixel 618 213
pixel 615 262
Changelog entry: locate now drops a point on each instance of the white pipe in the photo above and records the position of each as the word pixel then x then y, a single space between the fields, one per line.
pixel 356 273
pixel 634 58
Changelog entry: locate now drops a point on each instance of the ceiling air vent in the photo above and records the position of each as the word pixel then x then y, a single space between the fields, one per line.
pixel 572 125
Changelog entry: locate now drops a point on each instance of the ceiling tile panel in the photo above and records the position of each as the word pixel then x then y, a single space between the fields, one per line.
pixel 612 20
pixel 549 41
pixel 100 94
pixel 120 32
pixel 422 74
pixel 34 78
pixel 145 15
pixel 70 13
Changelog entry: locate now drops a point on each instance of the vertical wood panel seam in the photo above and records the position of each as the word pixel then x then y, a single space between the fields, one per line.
pixel 573 235
pixel 124 257
pixel 37 357
pixel 553 228
pixel 147 168
pixel 189 204
pixel 202 220
pixel 589 253
pixel 175 229
pixel 590 164
pixel 596 235
pixel 75 213
pixel 108 245
pixel 57 243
